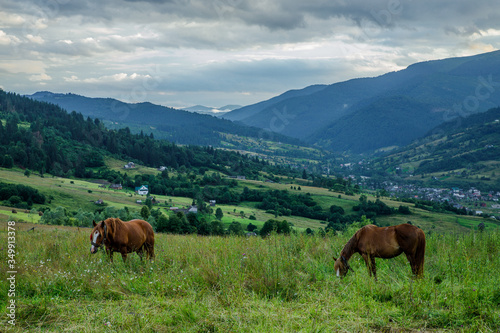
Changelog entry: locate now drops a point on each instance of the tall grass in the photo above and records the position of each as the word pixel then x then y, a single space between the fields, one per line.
pixel 219 284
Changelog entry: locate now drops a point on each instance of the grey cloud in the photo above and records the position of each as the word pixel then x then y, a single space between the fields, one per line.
pixel 363 37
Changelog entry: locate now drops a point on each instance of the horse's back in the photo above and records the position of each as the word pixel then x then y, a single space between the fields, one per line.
pixel 409 236
pixel 146 228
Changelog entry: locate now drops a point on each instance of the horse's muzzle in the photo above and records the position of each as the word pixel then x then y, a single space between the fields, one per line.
pixel 94 249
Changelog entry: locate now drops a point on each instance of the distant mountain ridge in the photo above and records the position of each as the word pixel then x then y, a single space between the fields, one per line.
pixel 218 112
pixel 362 115
pixel 178 126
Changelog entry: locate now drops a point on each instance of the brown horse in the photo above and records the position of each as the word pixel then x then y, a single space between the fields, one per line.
pixel 384 242
pixel 124 237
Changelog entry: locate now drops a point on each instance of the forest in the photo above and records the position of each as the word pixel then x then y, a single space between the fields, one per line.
pixel 44 138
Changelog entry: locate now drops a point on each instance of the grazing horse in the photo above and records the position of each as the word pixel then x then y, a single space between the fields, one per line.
pixel 384 242
pixel 124 237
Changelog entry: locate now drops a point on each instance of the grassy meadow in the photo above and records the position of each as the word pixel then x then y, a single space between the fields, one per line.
pixel 233 284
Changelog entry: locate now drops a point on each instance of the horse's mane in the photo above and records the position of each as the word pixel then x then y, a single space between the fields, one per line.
pixel 350 247
pixel 114 225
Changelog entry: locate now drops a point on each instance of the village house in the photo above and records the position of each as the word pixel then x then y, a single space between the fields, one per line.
pixel 129 165
pixel 142 190
pixel 115 186
pixel 191 209
pixel 238 177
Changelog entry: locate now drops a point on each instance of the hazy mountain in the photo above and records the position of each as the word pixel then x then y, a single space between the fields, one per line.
pixel 248 111
pixel 175 125
pixel 218 112
pixel 364 114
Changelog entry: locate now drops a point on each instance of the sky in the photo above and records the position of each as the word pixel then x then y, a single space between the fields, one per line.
pixel 181 53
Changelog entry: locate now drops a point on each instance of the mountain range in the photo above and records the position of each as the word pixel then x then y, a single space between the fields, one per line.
pixel 365 114
pixel 359 116
pixel 175 125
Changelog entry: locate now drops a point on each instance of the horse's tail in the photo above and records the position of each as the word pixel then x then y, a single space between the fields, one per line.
pixel 420 254
pixel 150 242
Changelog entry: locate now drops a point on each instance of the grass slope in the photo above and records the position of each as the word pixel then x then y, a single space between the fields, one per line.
pixel 76 193
pixel 230 284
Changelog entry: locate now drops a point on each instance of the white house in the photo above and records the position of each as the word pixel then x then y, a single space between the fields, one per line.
pixel 142 190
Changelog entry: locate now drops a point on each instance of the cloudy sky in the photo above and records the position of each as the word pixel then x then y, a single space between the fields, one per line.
pixel 216 52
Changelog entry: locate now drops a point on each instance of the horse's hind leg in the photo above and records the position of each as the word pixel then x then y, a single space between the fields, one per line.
pixel 140 252
pixel 151 252
pixel 415 266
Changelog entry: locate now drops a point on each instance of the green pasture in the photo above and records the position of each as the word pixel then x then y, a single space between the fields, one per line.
pixel 239 284
pixel 21 215
pixel 76 193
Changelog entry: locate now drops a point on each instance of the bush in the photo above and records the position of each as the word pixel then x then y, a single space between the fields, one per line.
pixel 274 225
pixel 236 229
pixel 404 210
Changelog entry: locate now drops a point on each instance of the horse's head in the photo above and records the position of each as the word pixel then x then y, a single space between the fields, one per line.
pixel 98 236
pixel 341 266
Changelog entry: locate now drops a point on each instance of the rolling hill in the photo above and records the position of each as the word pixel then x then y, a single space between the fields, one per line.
pixel 457 153
pixel 365 114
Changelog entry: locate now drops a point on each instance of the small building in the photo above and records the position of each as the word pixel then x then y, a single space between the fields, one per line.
pixel 129 165
pixel 139 201
pixel 115 186
pixel 212 202
pixel 162 168
pixel 99 202
pixel 191 209
pixel 142 190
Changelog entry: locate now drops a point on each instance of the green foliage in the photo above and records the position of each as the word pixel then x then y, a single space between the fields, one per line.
pixel 404 210
pixel 279 227
pixel 372 209
pixel 20 195
pixel 145 212
pixel 236 229
pixel 283 203
pixel 162 223
pixel 336 209
pixel 219 214
pixel 251 227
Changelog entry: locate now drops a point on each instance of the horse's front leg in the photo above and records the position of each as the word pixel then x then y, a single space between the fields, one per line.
pixel 368 262
pixel 124 255
pixel 370 265
pixel 110 254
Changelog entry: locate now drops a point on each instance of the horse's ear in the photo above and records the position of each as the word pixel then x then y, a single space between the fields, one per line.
pixel 334 258
pixel 102 224
pixel 93 222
